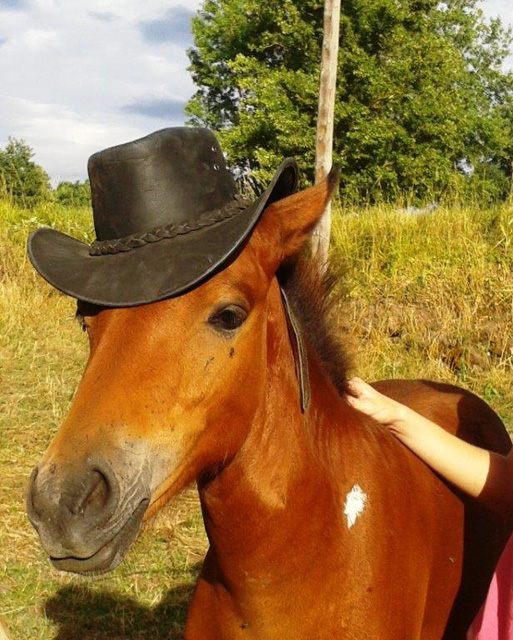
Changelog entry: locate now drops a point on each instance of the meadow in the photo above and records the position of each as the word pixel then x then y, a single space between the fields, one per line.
pixel 420 296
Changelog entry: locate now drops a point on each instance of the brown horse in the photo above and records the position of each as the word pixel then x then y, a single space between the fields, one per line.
pixel 321 524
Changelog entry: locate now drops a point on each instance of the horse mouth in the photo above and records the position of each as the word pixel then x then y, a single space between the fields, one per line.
pixel 111 554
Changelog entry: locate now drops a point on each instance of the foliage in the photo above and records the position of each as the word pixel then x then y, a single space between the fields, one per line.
pixel 21 179
pixel 27 185
pixel 421 93
pixel 73 194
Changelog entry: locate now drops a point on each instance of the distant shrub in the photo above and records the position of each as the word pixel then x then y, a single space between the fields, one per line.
pixel 73 194
pixel 22 181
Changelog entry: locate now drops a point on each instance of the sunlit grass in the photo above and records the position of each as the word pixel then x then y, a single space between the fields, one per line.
pixel 431 296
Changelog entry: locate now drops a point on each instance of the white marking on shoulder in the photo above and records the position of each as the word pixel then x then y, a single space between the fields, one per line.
pixel 354 505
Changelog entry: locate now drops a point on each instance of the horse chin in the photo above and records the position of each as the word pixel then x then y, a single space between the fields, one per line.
pixel 111 554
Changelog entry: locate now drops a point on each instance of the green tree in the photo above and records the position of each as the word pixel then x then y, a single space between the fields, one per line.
pixel 21 179
pixel 421 91
pixel 73 194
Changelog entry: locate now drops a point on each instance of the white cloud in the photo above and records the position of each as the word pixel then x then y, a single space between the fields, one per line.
pixel 81 75
pixel 37 40
pixel 78 76
pixel 63 138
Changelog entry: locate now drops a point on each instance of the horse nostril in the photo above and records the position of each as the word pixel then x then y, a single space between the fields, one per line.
pixel 96 498
pixel 99 495
pixel 89 492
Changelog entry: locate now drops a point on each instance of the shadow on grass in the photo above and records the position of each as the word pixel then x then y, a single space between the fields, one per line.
pixel 82 613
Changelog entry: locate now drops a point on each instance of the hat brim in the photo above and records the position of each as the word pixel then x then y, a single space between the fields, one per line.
pixel 155 271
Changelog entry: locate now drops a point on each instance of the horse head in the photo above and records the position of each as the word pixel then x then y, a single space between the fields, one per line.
pixel 168 396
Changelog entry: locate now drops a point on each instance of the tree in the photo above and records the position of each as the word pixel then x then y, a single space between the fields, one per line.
pixel 421 91
pixel 21 179
pixel 73 194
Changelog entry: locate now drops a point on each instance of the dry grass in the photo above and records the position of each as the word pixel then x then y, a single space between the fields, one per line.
pixel 431 296
pixel 426 296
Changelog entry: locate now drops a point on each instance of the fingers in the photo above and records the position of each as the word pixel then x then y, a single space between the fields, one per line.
pixel 369 401
pixel 360 395
pixel 364 398
pixel 357 387
pixel 354 402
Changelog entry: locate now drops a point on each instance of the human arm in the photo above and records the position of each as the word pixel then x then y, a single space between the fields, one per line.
pixel 481 474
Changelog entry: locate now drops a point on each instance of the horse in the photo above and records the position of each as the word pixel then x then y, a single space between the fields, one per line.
pixel 321 523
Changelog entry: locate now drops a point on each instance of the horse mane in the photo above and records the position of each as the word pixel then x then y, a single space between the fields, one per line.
pixel 314 299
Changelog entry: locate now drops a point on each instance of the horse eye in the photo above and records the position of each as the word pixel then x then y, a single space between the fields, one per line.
pixel 228 319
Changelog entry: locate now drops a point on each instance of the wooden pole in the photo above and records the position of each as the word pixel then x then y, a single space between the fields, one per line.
pixel 324 144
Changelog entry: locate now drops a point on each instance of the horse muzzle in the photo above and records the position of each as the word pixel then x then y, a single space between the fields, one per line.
pixel 89 513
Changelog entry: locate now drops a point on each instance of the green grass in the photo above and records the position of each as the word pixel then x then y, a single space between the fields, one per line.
pixel 425 296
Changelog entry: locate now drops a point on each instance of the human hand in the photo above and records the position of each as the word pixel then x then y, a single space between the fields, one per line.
pixel 374 404
pixel 464 465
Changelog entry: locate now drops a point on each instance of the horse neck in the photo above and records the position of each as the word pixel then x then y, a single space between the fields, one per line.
pixel 282 475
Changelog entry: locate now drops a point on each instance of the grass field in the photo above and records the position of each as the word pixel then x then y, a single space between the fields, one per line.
pixel 423 296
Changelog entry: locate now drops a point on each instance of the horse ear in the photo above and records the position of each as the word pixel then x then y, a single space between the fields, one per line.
pixel 286 224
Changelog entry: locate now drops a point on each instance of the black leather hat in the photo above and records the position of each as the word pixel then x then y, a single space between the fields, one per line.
pixel 166 214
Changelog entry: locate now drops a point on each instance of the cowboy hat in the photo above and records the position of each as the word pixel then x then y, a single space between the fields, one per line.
pixel 167 216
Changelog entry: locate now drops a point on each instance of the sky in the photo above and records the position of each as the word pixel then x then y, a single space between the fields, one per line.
pixel 78 76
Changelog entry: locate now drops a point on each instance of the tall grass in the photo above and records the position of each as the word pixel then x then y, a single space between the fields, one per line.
pixel 423 296
pixel 431 296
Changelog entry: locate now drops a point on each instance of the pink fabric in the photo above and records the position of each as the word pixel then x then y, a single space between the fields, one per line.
pixel 495 620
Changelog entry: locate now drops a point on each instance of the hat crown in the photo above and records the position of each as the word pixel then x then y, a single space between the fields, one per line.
pixel 170 176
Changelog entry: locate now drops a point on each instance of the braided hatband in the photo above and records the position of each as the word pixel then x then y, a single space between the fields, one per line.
pixel 118 245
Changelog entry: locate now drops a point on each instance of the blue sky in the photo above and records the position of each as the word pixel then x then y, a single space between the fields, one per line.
pixel 82 75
